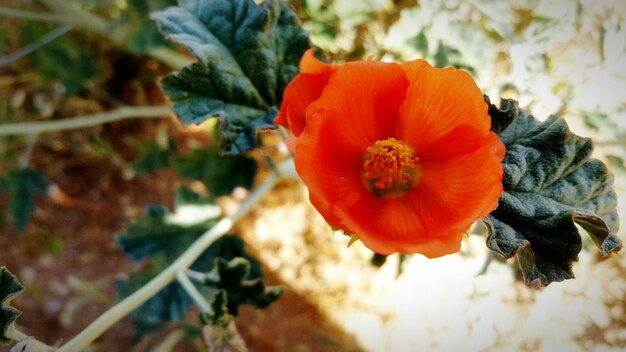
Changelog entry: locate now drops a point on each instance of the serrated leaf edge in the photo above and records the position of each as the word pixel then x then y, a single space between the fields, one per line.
pixel 4 304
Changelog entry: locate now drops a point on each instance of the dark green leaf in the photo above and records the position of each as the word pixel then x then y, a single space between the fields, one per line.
pixel 144 37
pixel 170 304
pixel 23 185
pixel 237 279
pixel 219 305
pixel 153 157
pixel 159 231
pixel 160 237
pixel 64 59
pixel 421 43
pixel 246 53
pixel 550 185
pixel 502 117
pixel 220 174
pixel 441 56
pixel 9 288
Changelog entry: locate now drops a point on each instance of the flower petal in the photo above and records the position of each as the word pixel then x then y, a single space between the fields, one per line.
pixel 310 64
pixel 437 102
pixel 299 94
pixel 330 166
pixel 363 99
pixel 452 193
pixel 304 89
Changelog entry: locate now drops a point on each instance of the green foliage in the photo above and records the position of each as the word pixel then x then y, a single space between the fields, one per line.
pixel 153 157
pixel 160 237
pixel 9 289
pixel 65 59
pixel 160 232
pixel 220 174
pixel 242 286
pixel 550 185
pixel 144 34
pixel 246 53
pixel 502 117
pixel 22 185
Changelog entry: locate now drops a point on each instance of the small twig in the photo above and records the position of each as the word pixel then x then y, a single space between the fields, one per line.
pixel 31 15
pixel 130 112
pixel 609 143
pixel 84 19
pixel 7 59
pixel 193 292
pixel 195 250
pixel 196 275
pixel 28 342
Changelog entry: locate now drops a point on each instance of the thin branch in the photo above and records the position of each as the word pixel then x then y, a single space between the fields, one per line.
pixel 193 292
pixel 132 302
pixel 609 143
pixel 97 24
pixel 31 15
pixel 12 57
pixel 195 275
pixel 129 112
pixel 28 342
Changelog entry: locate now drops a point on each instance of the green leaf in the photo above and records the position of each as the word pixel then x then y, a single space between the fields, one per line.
pixel 160 237
pixel 170 304
pixel 64 59
pixel 420 42
pixel 246 53
pixel 220 174
pixel 23 185
pixel 441 56
pixel 144 37
pixel 219 307
pixel 159 231
pixel 242 286
pixel 9 289
pixel 502 117
pixel 153 157
pixel 550 185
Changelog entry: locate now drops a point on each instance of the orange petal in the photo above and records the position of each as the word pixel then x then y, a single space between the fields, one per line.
pixel 362 99
pixel 461 140
pixel 300 92
pixel 452 193
pixel 330 167
pixel 310 64
pixel 437 102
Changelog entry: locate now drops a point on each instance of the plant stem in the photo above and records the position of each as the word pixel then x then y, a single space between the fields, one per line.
pixel 30 15
pixel 14 56
pixel 193 292
pixel 14 334
pixel 129 112
pixel 130 303
pixel 94 23
pixel 610 143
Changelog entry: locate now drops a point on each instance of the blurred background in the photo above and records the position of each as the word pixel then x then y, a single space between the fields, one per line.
pixel 563 57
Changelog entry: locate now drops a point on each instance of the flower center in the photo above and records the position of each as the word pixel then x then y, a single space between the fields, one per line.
pixel 389 167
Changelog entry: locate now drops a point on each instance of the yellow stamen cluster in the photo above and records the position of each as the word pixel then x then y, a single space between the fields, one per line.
pixel 389 165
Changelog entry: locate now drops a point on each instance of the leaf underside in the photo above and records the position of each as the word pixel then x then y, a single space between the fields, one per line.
pixel 551 185
pixel 246 53
pixel 9 289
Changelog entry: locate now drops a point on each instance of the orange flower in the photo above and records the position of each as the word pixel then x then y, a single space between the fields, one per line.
pixel 304 89
pixel 402 156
